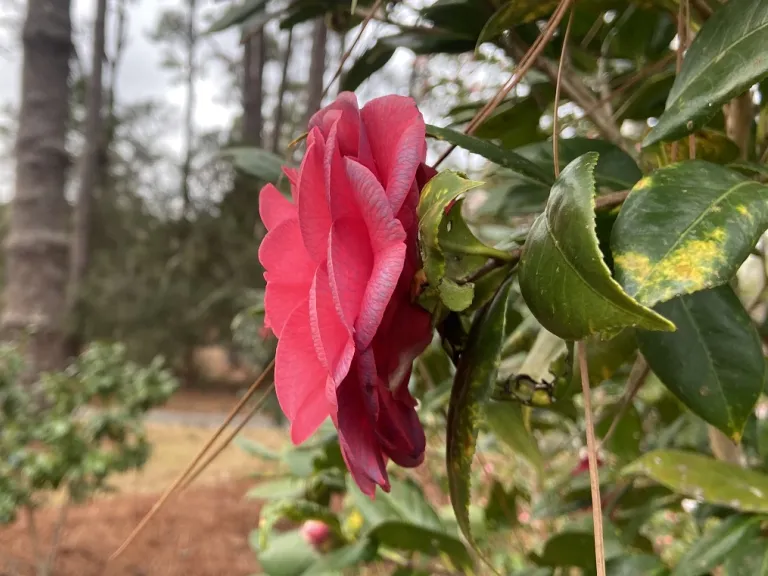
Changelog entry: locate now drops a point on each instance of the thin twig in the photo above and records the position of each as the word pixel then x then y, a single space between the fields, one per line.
pixel 227 441
pixel 594 478
pixel 183 476
pixel 348 52
pixel 491 265
pixel 679 63
pixel 688 33
pixel 637 377
pixel 524 65
pixel 555 113
pixel 611 200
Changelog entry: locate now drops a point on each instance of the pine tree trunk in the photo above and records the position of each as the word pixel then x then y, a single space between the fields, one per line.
pixel 189 110
pixel 90 171
pixel 316 69
pixel 279 112
pixel 253 89
pixel 37 246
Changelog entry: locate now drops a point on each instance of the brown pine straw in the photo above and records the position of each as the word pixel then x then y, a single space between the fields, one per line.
pixel 189 469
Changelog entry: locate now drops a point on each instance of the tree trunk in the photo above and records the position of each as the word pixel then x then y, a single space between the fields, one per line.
pixel 279 113
pixel 189 111
pixel 37 246
pixel 316 69
pixel 90 166
pixel 253 89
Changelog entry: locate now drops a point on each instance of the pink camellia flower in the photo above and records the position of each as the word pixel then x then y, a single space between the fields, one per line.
pixel 339 264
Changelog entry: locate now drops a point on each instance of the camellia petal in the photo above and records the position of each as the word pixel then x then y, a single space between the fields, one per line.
pixel 396 133
pixel 274 208
pixel 299 376
pixel 398 427
pixel 333 343
pixel 350 263
pixel 344 112
pixel 314 214
pixel 338 189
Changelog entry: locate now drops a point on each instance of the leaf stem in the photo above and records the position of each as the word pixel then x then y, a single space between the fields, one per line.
pixel 594 479
pixel 555 115
pixel 637 377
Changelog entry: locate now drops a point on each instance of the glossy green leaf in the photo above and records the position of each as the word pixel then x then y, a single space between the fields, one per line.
pixel 408 502
pixel 725 58
pixel 501 509
pixel 347 556
pixel 236 13
pixel 709 551
pixel 751 557
pixel 685 228
pixel 489 151
pixel 257 162
pixel 714 361
pixel 369 62
pixel 563 277
pixel 412 538
pixel 450 251
pixel 288 554
pixel 475 378
pixel 705 478
pixel 505 420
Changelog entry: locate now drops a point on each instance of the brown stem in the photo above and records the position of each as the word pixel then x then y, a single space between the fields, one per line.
pixel 637 377
pixel 34 538
pixel 594 478
pixel 57 532
pixel 739 120
pixel 555 113
pixel 524 65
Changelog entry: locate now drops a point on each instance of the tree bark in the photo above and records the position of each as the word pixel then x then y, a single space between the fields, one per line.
pixel 37 246
pixel 316 69
pixel 90 165
pixel 189 110
pixel 253 89
pixel 279 112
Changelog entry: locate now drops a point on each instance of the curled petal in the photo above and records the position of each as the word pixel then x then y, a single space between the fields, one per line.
pixel 293 178
pixel 314 214
pixel 357 437
pixel 344 112
pixel 300 377
pixel 383 279
pixel 338 189
pixel 274 208
pixel 396 132
pixel 333 342
pixel 399 429
pixel 350 262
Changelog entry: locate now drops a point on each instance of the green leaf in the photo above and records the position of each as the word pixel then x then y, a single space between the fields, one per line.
pixel 711 145
pixel 563 277
pixel 257 162
pixel 489 151
pixel 256 449
pixel 407 501
pixel 278 489
pixel 505 419
pixel 370 61
pixel 576 549
pixel 704 478
pixel 709 551
pixel 411 538
pixel 360 552
pixel 685 228
pixel 288 554
pixel 751 557
pixel 714 361
pixel 450 250
pixel 725 58
pixel 236 13
pixel 501 509
pixel 475 378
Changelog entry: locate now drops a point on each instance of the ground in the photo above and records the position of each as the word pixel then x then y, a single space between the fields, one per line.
pixel 202 532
